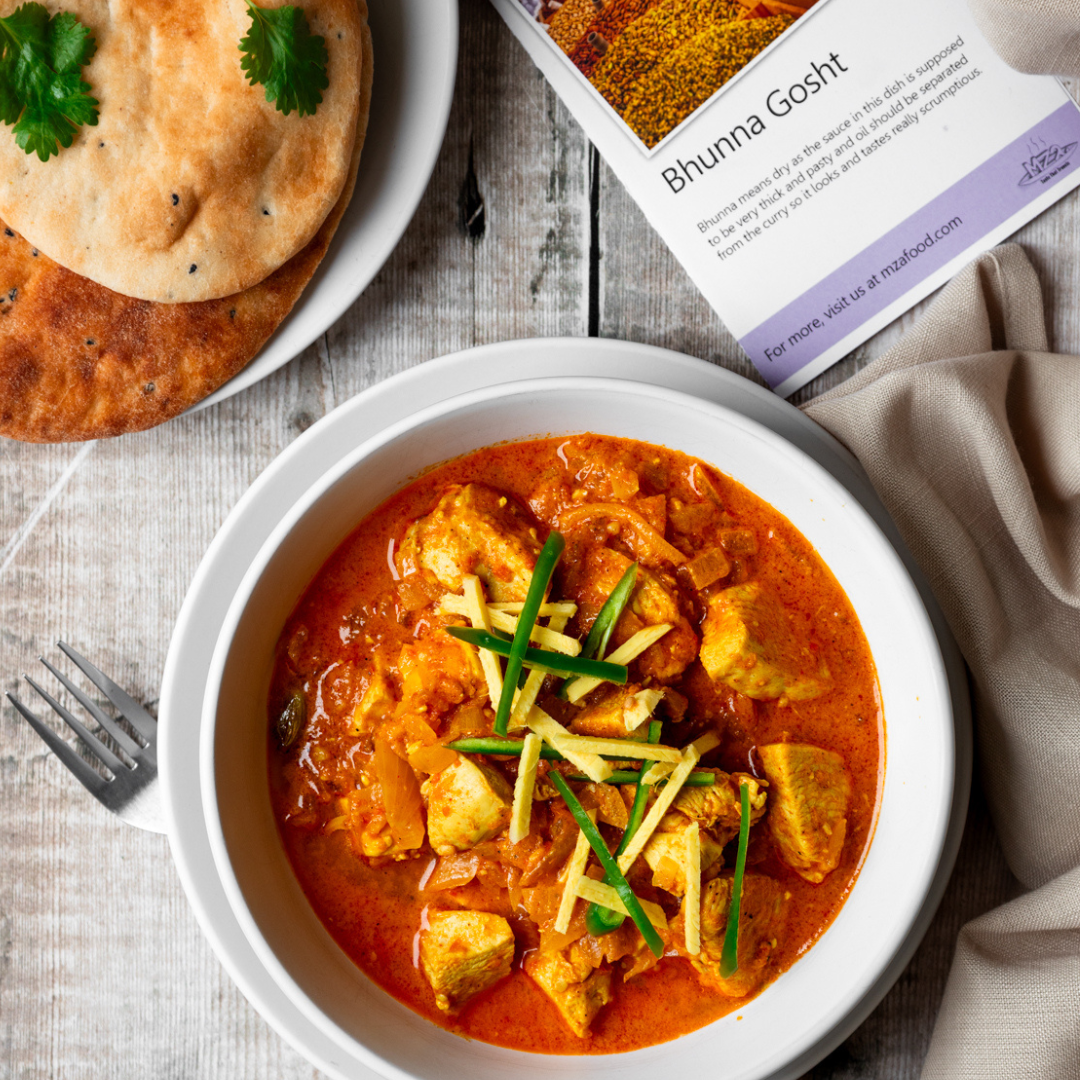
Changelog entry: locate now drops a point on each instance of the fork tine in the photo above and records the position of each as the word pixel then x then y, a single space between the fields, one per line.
pixel 86 776
pixel 130 709
pixel 125 741
pixel 93 744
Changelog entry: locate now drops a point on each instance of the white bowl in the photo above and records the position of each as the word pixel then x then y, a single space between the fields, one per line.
pixel 815 993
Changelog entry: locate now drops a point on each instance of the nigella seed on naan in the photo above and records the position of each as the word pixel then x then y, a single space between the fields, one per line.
pixel 187 153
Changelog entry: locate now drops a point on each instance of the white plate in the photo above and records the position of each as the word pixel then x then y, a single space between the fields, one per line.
pixel 415 43
pixel 286 479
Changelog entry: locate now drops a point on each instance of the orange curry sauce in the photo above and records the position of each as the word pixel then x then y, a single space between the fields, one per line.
pixel 354 609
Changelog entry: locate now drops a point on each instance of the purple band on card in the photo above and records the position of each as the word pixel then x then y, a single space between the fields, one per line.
pixel 891 266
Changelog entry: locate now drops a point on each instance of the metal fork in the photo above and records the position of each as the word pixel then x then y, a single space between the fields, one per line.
pixel 132 792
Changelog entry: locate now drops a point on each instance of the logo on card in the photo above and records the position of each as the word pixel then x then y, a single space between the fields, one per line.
pixel 1046 163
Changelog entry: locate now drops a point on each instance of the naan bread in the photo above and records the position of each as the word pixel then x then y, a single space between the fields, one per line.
pixel 192 186
pixel 79 361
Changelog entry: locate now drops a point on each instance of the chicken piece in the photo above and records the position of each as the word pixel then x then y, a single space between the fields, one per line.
pixel 620 711
pixel 604 717
pixel 375 707
pixel 473 530
pixel 739 541
pixel 577 989
pixel 811 793
pixel 642 959
pixel 652 603
pixel 749 644
pixel 438 672
pixel 464 952
pixel 717 807
pixel 762 918
pixel 666 853
pixel 467 803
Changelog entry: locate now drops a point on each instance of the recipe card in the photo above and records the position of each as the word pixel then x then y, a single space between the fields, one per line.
pixel 818 168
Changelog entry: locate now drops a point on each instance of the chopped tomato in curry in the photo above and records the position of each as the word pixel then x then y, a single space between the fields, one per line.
pixel 744 668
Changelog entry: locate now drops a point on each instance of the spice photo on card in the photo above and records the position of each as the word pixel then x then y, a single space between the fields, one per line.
pixel 656 62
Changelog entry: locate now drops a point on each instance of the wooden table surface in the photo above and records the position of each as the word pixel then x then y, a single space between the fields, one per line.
pixel 104 972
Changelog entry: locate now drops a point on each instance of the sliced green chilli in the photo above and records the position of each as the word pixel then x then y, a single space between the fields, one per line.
pixel 630 776
pixel 611 867
pixel 599 919
pixel 555 663
pixel 729 957
pixel 597 642
pixel 538 586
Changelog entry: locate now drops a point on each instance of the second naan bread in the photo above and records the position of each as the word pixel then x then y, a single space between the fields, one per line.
pixel 192 186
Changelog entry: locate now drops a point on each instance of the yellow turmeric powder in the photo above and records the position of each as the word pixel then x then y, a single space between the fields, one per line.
pixel 650 39
pixel 690 75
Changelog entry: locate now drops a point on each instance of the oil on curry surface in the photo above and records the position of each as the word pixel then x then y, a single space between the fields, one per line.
pixel 758 678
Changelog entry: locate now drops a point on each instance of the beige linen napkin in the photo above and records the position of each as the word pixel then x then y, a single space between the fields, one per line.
pixel 1041 36
pixel 970 431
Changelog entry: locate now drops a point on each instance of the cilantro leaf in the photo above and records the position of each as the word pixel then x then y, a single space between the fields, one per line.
pixel 10 103
pixel 67 93
pixel 41 89
pixel 281 53
pixel 71 43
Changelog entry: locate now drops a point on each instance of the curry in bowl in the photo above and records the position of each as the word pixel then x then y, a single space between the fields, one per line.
pixel 576 745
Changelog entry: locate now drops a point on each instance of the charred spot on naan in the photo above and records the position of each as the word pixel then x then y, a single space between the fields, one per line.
pixel 79 361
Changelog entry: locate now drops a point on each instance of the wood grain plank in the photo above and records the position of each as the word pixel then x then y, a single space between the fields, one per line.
pixel 526 276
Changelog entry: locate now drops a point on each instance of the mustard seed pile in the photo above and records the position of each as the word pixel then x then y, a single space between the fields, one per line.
pixel 647 41
pixel 690 75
